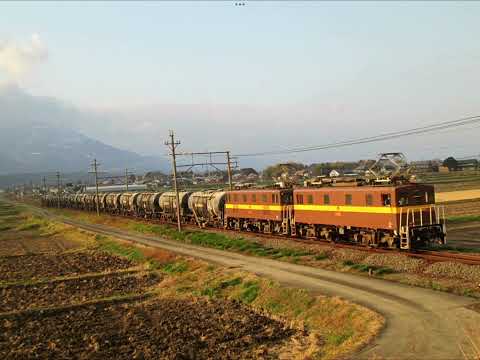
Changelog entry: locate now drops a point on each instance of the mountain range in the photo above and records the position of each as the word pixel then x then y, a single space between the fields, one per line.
pixel 37 135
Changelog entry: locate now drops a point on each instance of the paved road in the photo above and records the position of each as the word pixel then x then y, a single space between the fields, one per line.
pixel 421 323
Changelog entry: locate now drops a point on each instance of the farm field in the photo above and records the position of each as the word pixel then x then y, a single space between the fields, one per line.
pixel 454 181
pixel 457 195
pixel 67 293
pixel 463 223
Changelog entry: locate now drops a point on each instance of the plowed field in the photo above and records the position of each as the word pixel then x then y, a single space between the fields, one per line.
pixel 20 297
pixel 90 304
pixel 28 267
pixel 162 329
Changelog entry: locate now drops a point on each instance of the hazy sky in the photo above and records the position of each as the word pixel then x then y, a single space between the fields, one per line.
pixel 247 74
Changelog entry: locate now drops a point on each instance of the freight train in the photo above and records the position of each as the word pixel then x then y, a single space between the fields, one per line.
pixel 402 216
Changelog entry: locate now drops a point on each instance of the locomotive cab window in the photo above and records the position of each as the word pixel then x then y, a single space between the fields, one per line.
pixel 299 199
pixel 310 199
pixel 369 199
pixel 386 199
pixel 326 199
pixel 348 199
pixel 286 198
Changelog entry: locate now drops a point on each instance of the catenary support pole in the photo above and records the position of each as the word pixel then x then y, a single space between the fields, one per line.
pixel 173 145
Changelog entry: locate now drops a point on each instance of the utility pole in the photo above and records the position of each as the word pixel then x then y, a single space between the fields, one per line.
pixel 173 145
pixel 58 189
pixel 229 171
pixel 126 179
pixel 95 171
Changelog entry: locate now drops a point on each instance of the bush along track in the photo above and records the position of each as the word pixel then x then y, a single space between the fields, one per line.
pixel 151 303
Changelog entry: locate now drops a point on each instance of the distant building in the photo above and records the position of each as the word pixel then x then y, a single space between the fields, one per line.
pixel 467 164
pixel 425 166
pixel 334 173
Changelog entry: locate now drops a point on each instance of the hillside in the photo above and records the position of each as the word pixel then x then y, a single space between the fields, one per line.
pixel 37 134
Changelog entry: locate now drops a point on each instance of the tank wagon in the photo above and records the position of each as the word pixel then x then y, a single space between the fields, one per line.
pixel 148 205
pixel 128 203
pixel 168 204
pixel 207 207
pixel 112 203
pixel 401 216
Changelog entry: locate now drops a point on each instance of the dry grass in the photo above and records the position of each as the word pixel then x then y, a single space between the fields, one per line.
pixel 472 351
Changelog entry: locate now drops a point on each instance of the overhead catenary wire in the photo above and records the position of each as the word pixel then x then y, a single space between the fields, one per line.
pixel 382 137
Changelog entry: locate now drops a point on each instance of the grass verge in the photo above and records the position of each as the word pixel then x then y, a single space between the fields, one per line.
pixel 461 219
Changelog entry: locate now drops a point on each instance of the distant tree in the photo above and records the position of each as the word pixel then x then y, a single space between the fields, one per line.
pixel 275 171
pixel 450 163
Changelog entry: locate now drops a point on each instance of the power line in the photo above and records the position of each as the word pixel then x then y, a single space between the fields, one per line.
pixel 382 137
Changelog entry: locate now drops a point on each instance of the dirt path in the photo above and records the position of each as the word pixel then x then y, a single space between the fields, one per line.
pixel 457 195
pixel 421 323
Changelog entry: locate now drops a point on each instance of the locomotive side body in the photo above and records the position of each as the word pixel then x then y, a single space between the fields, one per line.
pixel 371 215
pixel 259 210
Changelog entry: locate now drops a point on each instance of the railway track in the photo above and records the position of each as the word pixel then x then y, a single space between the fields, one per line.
pixel 437 256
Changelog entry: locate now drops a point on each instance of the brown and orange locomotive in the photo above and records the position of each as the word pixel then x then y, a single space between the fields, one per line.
pixel 402 216
pixel 396 216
